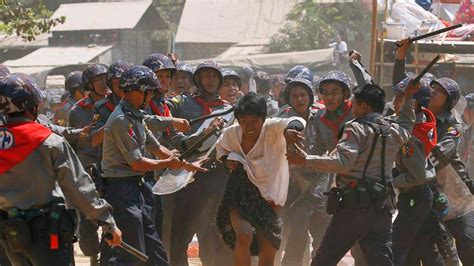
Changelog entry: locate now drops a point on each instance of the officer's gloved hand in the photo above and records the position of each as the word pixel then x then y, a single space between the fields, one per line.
pixel 116 239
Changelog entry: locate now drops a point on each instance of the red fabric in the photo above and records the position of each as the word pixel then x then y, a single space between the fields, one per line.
pixel 207 106
pixel 110 106
pixel 19 140
pixel 422 131
pixel 334 125
pixel 465 14
pixel 166 112
pixel 83 103
pixel 53 241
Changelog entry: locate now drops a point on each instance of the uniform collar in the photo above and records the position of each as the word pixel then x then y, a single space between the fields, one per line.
pixel 115 99
pixel 72 100
pixel 199 94
pixel 444 116
pixel 131 109
pixel 15 120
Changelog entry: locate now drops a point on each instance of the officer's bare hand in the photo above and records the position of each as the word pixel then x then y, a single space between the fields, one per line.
pixel 196 166
pixel 232 165
pixel 176 152
pixel 296 155
pixel 217 123
pixel 173 58
pixel 182 125
pixel 116 238
pixel 403 47
pixel 356 55
pixel 173 162
pixel 293 136
pixel 411 90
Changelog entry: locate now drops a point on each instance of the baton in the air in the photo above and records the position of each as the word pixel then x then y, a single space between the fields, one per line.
pixel 201 118
pixel 417 79
pixel 129 249
pixel 430 34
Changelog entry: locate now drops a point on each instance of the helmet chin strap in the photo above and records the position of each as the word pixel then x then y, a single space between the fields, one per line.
pixel 144 100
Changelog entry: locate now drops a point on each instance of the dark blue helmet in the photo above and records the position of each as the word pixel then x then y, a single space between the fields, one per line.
pixel 185 67
pixel 157 62
pixel 338 76
pixel 299 82
pixel 247 72
pixel 115 71
pixel 229 73
pixel 4 71
pixel 19 92
pixel 451 88
pixel 208 64
pixel 299 71
pixel 262 81
pixel 470 100
pixel 422 96
pixel 92 71
pixel 139 77
pixel 73 82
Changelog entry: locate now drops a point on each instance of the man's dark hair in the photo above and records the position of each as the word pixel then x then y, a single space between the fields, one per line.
pixel 251 104
pixel 372 95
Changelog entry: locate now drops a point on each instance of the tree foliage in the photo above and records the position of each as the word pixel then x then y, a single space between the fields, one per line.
pixel 27 20
pixel 311 25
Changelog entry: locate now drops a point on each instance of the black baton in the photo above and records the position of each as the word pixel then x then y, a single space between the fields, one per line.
pixel 201 118
pixel 417 79
pixel 430 34
pixel 129 249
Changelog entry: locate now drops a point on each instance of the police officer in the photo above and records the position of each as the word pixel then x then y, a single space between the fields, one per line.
pixel 263 87
pixel 81 115
pixel 230 89
pixel 247 74
pixel 37 228
pixel 412 176
pixel 206 191
pixel 104 107
pixel 124 164
pixel 73 85
pixel 182 82
pixel 164 69
pixel 363 160
pixel 446 94
pixel 304 210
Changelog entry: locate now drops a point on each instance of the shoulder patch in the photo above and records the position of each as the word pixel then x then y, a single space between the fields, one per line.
pixel 454 132
pixel 408 150
pixel 6 139
pixel 131 131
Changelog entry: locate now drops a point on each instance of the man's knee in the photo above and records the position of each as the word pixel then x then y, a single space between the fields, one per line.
pixel 244 237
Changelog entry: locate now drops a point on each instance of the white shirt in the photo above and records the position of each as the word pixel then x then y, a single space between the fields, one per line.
pixel 266 164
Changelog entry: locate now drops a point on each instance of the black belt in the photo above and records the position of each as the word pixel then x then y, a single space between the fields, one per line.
pixel 136 178
pixel 26 214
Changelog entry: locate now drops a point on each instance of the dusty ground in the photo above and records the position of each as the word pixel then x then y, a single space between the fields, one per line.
pixel 81 260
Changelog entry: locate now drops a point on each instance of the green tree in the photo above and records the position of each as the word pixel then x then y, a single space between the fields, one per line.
pixel 26 19
pixel 311 25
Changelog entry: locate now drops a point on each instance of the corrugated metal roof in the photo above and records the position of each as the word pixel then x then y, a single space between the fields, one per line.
pixel 100 16
pixel 231 21
pixel 57 56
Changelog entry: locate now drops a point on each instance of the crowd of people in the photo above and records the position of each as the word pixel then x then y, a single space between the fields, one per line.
pixel 307 169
